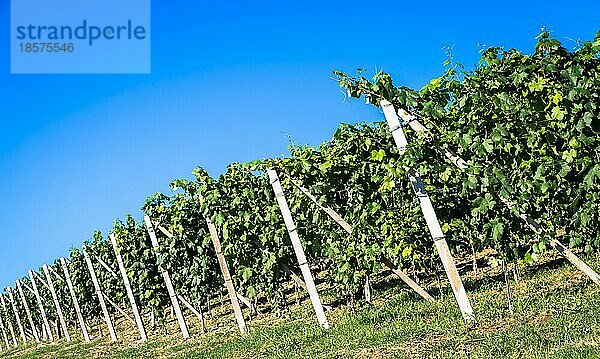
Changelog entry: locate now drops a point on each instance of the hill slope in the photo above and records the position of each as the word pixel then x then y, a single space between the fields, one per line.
pixel 556 314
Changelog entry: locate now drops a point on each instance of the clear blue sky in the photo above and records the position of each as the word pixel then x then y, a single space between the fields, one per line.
pixel 229 82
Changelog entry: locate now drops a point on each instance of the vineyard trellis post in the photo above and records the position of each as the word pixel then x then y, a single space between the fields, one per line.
pixel 27 311
pixel 166 278
pixel 295 239
pixel 197 313
pixel 38 298
pixel 442 247
pixel 430 217
pixel 181 298
pixel 337 218
pixel 56 328
pixel 531 223
pixel 245 301
pixel 61 318
pixel 117 308
pixel 16 313
pixel 10 325
pixel 4 336
pixel 576 261
pixel 86 336
pixel 107 319
pixel 134 307
pixel 239 317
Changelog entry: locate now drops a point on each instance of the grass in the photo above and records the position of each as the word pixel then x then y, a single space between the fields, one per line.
pixel 556 315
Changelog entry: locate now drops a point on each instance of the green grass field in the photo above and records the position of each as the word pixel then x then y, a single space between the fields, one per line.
pixel 556 314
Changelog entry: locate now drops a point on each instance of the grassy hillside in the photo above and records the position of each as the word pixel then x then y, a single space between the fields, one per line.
pixel 556 314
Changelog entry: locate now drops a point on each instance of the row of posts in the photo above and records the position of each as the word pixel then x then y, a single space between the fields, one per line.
pixel 307 283
pixel 175 299
pixel 392 118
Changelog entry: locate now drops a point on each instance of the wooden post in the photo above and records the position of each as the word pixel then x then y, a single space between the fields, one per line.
pixel 417 288
pixel 27 311
pixel 330 212
pixel 116 306
pixel 430 217
pixel 416 126
pixel 106 266
pixel 348 228
pixel 10 325
pixel 442 247
pixel 462 165
pixel 109 324
pixel 4 332
pixel 367 289
pixel 555 243
pixel 84 331
pixel 395 127
pixel 167 279
pixel 134 307
pixel 16 313
pixel 245 301
pixel 42 280
pixel 59 311
pixel 302 262
pixel 152 321
pixel 576 261
pixel 56 329
pixel 185 302
pixel 299 282
pixel 239 317
pixel 40 304
pixel 198 313
pixel 44 332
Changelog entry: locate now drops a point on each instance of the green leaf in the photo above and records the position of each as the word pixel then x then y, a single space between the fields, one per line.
pixel 377 155
pixel 246 273
pixel 558 113
pixel 497 231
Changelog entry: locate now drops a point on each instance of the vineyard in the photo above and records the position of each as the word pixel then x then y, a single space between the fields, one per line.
pixel 502 160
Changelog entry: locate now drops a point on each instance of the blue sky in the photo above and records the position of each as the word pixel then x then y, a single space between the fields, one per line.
pixel 229 82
